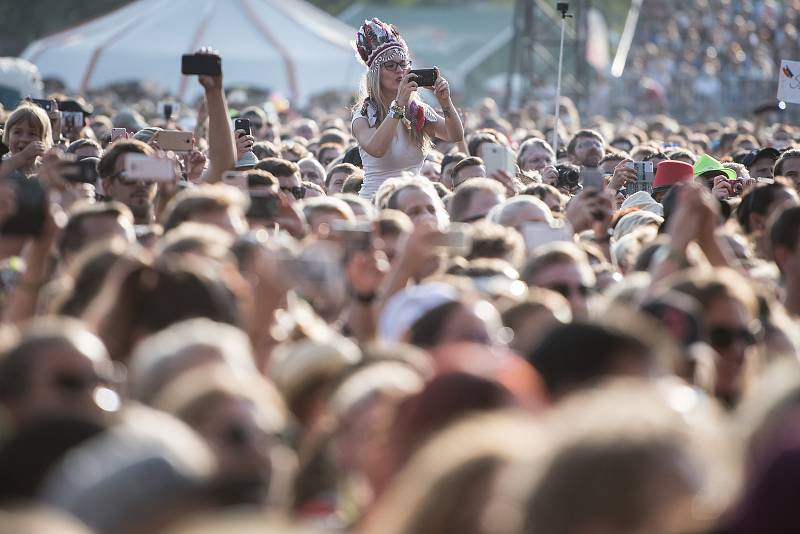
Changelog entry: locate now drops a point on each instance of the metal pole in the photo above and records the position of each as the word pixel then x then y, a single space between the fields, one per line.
pixel 558 83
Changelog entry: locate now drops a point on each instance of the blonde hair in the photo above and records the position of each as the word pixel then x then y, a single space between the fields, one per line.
pixel 34 116
pixel 371 92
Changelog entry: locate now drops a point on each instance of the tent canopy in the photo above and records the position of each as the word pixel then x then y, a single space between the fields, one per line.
pixel 287 46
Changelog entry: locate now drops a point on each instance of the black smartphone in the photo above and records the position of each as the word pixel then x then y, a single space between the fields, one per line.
pixel 425 77
pixel 28 220
pixel 263 206
pixel 201 64
pixel 242 124
pixel 80 172
pixel 46 105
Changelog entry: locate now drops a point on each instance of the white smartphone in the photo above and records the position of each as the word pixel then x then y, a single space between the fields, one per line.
pixel 141 167
pixel 499 158
pixel 537 234
pixel 175 140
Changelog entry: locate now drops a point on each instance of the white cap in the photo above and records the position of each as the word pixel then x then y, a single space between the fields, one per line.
pixel 643 200
pixel 408 305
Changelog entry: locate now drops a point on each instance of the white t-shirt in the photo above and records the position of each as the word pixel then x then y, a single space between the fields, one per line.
pixel 403 156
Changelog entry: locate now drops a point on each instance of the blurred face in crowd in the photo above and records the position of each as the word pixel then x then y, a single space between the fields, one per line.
pixel 729 329
pixel 782 139
pixel 535 158
pixel 575 282
pixel 138 195
pixel 430 170
pixel 480 204
pixel 311 172
pixel 328 155
pixel 391 74
pixel 791 170
pixel 528 212
pixel 473 171
pixel 588 151
pixel 762 168
pixel 105 227
pixel 63 379
pixel 290 185
pixel 608 166
pixel 21 135
pixel 231 428
pixel 337 182
pixel 231 220
pixel 87 151
pixel 271 132
pixel 417 204
pixel 469 324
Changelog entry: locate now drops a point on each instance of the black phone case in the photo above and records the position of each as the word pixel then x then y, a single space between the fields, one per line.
pixel 425 77
pixel 201 65
pixel 242 124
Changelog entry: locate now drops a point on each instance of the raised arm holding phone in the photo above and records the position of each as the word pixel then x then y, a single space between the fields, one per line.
pixel 394 128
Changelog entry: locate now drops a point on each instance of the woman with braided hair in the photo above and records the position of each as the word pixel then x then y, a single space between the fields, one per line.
pixel 393 126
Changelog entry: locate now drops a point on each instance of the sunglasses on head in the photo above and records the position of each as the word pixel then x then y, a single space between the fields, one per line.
pixel 723 337
pixel 297 192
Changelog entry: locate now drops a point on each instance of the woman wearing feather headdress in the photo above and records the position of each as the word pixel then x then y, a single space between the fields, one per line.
pixel 393 126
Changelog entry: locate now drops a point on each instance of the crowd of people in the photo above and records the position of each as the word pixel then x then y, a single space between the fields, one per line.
pixel 423 320
pixel 713 47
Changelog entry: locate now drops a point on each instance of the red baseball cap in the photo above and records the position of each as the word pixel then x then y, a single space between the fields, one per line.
pixel 669 173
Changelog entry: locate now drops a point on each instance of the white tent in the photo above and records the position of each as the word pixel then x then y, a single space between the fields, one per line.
pixel 288 46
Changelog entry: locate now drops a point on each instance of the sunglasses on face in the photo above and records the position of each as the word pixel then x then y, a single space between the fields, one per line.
pixel 566 290
pixel 130 182
pixel 393 65
pixel 239 436
pixel 297 192
pixel 74 383
pixel 723 337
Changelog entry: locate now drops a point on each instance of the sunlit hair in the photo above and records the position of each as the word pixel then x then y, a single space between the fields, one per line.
pixel 371 89
pixel 33 116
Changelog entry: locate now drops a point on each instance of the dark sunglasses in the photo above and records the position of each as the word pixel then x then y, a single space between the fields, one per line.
pixel 130 182
pixel 238 436
pixel 76 382
pixel 566 289
pixel 722 337
pixel 298 192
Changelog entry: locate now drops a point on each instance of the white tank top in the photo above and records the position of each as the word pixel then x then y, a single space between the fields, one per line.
pixel 402 156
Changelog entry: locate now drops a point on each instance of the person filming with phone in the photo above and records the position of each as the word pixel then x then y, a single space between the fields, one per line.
pixel 394 128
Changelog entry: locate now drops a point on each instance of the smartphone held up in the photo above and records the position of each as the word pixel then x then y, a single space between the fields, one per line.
pixel 201 65
pixel 139 167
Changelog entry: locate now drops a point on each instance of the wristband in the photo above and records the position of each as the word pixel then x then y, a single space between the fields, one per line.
pixel 396 111
pixel 363 298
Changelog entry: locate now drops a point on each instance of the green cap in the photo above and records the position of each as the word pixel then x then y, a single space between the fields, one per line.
pixel 706 163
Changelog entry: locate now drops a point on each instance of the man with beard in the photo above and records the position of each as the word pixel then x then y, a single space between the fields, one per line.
pixel 586 149
pixel 138 195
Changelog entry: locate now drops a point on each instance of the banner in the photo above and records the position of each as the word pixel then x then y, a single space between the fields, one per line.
pixel 789 82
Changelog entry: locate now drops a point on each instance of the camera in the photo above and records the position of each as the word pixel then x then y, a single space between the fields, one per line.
pixel 563 8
